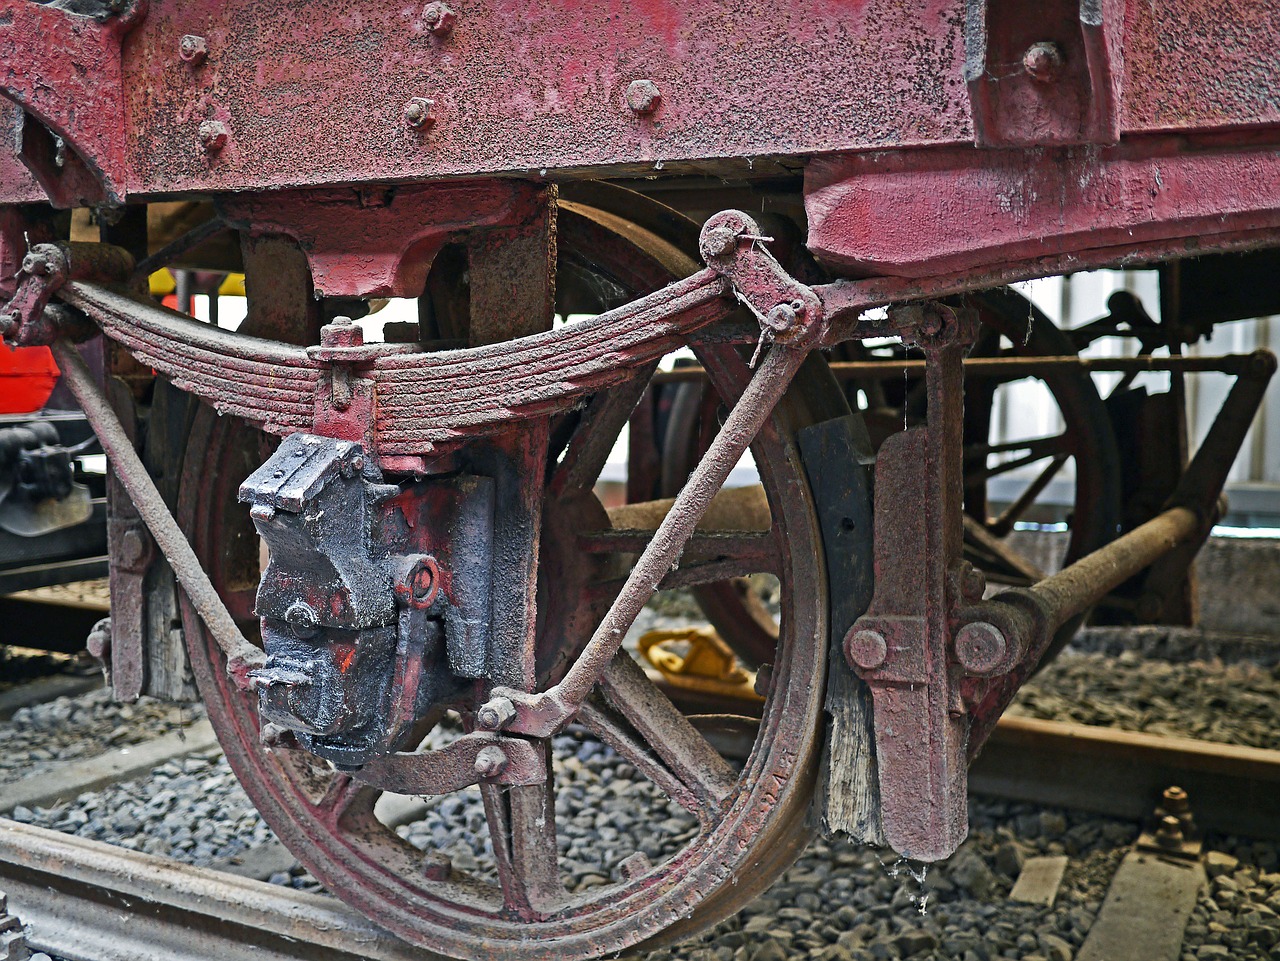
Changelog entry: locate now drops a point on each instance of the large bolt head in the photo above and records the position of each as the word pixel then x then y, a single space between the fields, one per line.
pixel 719 242
pixel 490 761
pixel 785 317
pixel 496 714
pixel 980 648
pixel 302 620
pixel 643 96
pixel 439 18
pixel 866 649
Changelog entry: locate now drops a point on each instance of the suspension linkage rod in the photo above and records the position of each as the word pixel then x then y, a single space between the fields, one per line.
pixel 791 321
pixel 242 657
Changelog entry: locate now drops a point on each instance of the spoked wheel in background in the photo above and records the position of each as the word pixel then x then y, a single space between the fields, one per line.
pixel 743 826
pixel 1082 446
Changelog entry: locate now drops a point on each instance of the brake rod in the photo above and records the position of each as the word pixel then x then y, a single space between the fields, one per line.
pixel 242 657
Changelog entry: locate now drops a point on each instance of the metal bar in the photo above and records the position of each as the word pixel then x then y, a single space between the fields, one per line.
pixel 542 714
pixel 241 655
pixel 844 301
pixel 741 427
pixel 88 901
pixel 1028 366
pixel 1092 577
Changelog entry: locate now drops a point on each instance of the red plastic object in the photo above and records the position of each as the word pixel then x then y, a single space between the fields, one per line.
pixel 27 378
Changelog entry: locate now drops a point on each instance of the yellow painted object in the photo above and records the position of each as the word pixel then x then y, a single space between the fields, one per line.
pixel 162 283
pixel 708 665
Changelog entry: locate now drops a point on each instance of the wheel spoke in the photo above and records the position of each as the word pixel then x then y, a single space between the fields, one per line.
pixel 597 431
pixel 1003 524
pixel 522 826
pixel 344 798
pixel 977 535
pixel 660 724
pixel 605 724
pixel 1040 446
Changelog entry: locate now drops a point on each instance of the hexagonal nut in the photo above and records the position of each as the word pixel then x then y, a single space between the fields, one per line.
pixel 784 318
pixel 643 97
pixel 496 714
pixel 439 18
pixel 193 49
pixel 417 113
pixel 213 135
pixel 490 762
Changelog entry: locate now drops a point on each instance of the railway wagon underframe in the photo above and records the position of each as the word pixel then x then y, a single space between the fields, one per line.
pixel 372 537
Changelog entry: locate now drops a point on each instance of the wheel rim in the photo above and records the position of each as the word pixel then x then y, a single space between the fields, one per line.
pixel 327 819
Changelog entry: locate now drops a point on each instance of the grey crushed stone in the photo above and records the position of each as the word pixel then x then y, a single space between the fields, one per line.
pixel 1231 703
pixel 40 737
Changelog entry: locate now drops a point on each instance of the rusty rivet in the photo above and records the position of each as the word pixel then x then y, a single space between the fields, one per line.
pixel 417 113
pixel 193 49
pixel 439 18
pixel 980 647
pixel 496 714
pixel 1043 61
pixel 490 761
pixel 132 549
pixel 866 649
pixel 643 96
pixel 213 135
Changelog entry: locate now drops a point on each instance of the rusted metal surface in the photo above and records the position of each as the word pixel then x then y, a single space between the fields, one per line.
pixel 448 553
pixel 1044 76
pixel 956 209
pixel 900 647
pixel 643 86
pixel 1022 620
pixel 87 900
pixel 318 100
pixel 324 815
pixel 422 400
